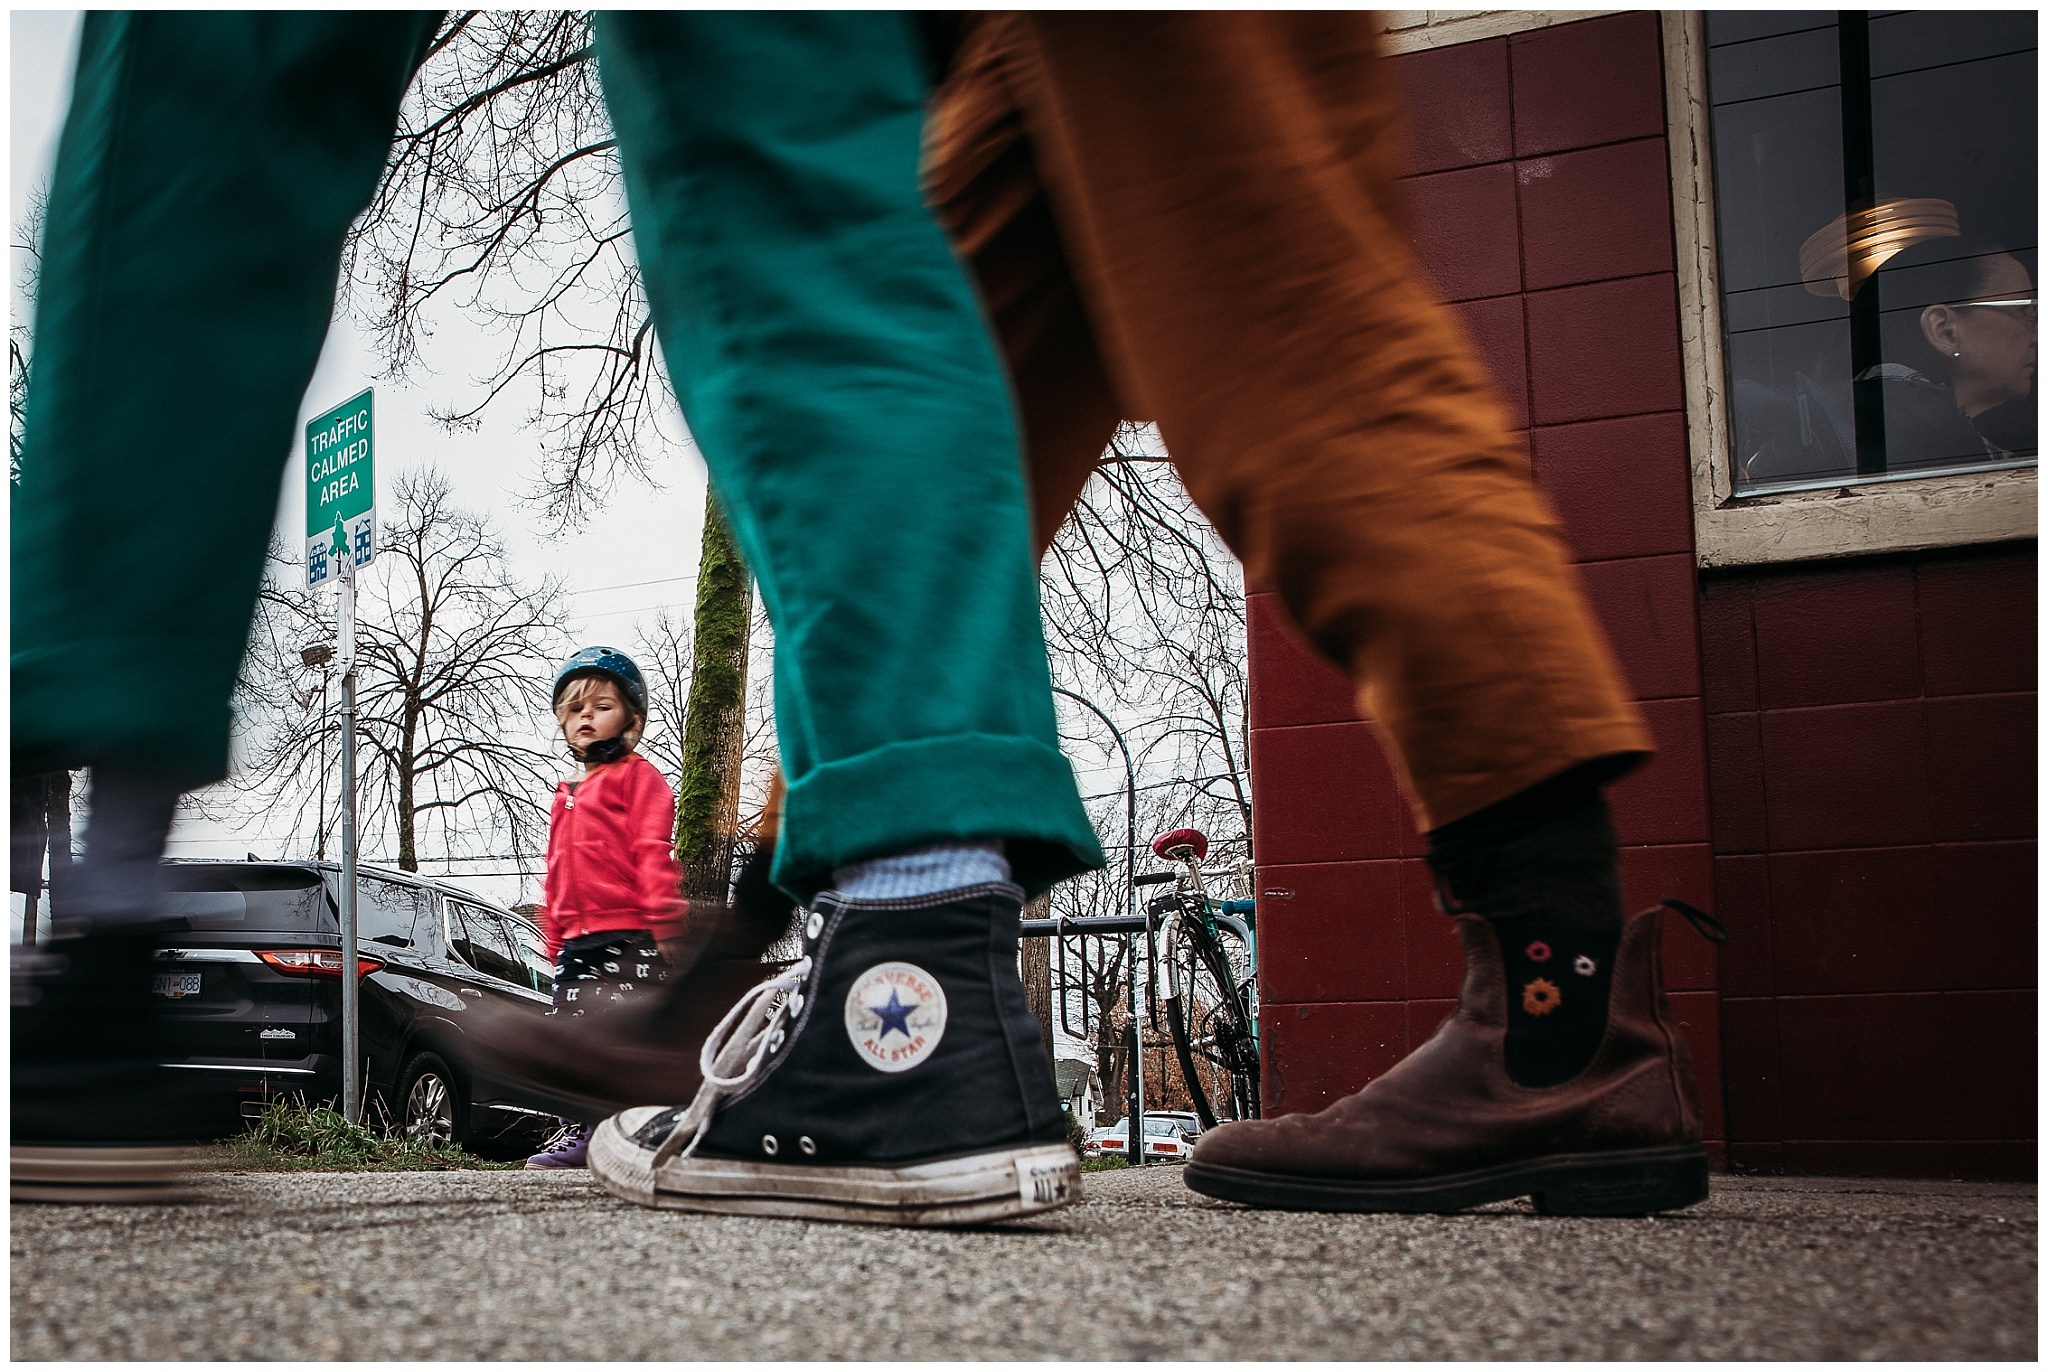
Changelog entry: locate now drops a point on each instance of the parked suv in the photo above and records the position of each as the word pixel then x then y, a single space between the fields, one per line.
pixel 254 988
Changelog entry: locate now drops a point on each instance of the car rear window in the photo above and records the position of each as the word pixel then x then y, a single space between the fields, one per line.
pixel 265 898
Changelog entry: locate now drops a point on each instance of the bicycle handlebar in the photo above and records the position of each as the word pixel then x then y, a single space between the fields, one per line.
pixel 1155 878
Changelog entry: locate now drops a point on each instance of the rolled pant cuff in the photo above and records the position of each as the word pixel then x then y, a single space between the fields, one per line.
pixel 938 790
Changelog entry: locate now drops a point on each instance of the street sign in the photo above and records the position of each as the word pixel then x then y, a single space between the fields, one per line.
pixel 341 490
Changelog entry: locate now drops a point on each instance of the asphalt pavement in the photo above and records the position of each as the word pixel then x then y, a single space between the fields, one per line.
pixel 515 1265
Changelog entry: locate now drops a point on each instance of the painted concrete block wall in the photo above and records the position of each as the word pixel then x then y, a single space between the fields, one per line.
pixel 1542 215
pixel 1847 767
pixel 1871 745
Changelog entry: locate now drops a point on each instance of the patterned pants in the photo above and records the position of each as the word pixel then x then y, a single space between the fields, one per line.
pixel 601 972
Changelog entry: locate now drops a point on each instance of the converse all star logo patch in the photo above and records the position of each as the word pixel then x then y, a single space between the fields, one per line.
pixel 1041 1185
pixel 895 1016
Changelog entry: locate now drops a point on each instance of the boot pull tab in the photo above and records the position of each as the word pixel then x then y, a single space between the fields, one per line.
pixel 1447 901
pixel 1703 924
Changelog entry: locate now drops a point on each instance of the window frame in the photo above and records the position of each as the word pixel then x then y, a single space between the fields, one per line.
pixel 1897 514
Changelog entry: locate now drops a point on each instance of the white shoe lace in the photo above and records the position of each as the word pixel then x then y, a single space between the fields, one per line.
pixel 733 1054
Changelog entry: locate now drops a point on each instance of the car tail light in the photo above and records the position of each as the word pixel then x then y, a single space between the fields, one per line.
pixel 1162 1148
pixel 314 962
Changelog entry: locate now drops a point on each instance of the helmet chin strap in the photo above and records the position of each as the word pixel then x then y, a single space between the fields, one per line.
pixel 602 751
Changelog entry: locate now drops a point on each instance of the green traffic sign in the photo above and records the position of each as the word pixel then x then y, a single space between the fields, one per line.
pixel 341 491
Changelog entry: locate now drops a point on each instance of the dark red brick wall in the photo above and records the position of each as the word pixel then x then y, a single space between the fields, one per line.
pixel 1871 735
pixel 1543 215
pixel 1845 772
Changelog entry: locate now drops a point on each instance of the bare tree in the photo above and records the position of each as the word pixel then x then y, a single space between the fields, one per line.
pixel 28 241
pixel 666 659
pixel 1144 614
pixel 453 662
pixel 667 654
pixel 502 203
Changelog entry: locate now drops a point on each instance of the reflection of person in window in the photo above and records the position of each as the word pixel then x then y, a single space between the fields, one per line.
pixel 1959 353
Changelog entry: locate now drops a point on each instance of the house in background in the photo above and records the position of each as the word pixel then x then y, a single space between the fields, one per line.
pixel 1697 250
pixel 1080 1088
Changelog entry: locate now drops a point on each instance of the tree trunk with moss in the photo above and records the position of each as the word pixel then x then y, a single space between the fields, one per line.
pixel 714 724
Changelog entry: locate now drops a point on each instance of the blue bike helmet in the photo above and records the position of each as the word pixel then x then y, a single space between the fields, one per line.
pixel 605 662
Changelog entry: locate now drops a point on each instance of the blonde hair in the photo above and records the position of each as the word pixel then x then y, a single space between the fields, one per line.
pixel 583 688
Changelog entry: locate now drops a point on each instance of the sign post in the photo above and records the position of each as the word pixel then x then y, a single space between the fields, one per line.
pixel 341 536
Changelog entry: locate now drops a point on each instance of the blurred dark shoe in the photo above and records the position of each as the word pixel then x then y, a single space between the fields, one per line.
pixel 587 1069
pixel 1447 1128
pixel 95 1117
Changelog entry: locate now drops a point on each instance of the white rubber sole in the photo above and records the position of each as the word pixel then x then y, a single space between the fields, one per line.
pixel 1003 1184
pixel 86 1175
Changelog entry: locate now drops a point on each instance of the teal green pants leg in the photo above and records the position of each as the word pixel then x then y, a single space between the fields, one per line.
pixel 827 349
pixel 209 167
pixel 837 375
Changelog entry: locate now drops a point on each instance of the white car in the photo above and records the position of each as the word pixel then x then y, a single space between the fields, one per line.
pixel 1169 1137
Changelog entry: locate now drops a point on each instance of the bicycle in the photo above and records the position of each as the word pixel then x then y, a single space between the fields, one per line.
pixel 1211 998
pixel 1211 995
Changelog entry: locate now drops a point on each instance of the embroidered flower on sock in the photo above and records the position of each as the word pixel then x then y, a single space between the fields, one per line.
pixel 1584 965
pixel 1539 951
pixel 1540 996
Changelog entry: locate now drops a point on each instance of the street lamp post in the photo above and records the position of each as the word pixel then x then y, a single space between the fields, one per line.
pixel 1134 1110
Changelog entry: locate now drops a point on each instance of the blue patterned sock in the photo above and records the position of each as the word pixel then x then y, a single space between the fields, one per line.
pixel 922 871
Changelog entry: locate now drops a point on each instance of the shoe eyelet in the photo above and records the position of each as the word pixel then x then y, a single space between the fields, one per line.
pixel 769 1145
pixel 815 925
pixel 807 1147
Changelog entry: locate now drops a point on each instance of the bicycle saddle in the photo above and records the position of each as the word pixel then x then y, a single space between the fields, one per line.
pixel 1164 845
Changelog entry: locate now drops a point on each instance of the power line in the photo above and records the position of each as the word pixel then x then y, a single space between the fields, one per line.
pixel 630 585
pixel 607 614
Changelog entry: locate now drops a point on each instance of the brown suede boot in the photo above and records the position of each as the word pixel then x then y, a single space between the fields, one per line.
pixel 1447 1128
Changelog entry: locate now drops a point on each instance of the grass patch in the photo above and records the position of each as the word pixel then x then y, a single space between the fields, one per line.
pixel 1104 1164
pixel 290 1136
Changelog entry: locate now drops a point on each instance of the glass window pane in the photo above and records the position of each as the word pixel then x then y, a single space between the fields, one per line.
pixel 1876 240
pixel 483 943
pixel 533 952
pixel 388 912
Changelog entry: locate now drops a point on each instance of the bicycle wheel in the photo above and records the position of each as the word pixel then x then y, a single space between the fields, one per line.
pixel 1211 1025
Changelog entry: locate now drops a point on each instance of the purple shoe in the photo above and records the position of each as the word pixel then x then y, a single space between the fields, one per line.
pixel 570 1147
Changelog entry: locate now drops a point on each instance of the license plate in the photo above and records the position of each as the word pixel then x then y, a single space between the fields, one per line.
pixel 176 985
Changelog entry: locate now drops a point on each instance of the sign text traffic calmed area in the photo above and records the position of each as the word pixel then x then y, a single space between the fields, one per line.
pixel 341 492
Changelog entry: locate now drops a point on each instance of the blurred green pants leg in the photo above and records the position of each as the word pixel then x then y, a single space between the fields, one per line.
pixel 209 167
pixel 837 375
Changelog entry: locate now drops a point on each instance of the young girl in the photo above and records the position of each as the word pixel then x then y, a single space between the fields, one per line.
pixel 614 893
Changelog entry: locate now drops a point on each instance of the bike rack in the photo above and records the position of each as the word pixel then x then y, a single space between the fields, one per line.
pixel 1061 928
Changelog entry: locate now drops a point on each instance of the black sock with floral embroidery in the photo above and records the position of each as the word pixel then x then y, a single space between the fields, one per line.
pixel 1557 978
pixel 1543 867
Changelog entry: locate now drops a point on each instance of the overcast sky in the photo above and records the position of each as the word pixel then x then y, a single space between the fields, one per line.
pixel 644 535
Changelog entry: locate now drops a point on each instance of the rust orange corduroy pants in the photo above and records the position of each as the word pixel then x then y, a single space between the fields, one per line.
pixel 1194 218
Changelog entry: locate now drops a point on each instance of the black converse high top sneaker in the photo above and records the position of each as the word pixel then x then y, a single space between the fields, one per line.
pixel 891 1076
